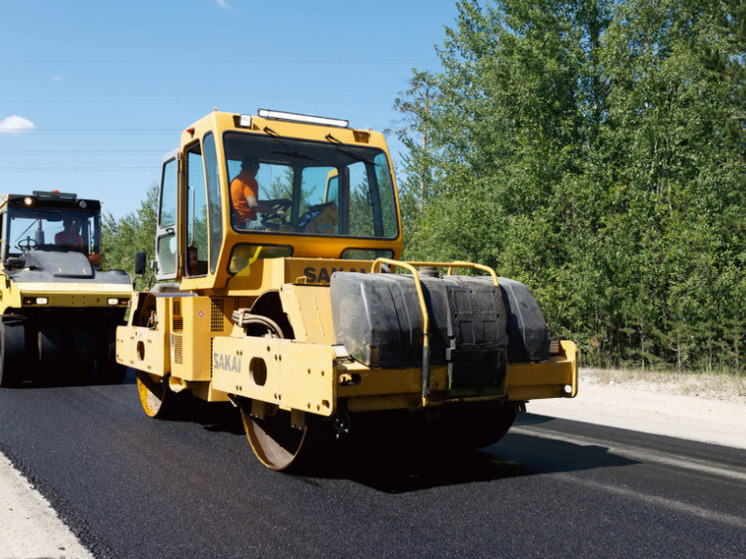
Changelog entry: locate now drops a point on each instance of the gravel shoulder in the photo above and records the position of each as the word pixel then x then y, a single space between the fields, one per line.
pixel 706 408
pixel 30 527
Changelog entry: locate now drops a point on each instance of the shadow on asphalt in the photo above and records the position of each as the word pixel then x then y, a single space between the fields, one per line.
pixel 392 469
pixel 219 417
pixel 69 375
pixel 398 469
pixel 399 464
pixel 394 464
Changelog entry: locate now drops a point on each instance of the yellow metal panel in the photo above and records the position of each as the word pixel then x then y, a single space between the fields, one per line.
pixel 309 310
pixel 254 280
pixel 385 403
pixel 319 270
pixel 142 349
pixel 530 381
pixel 357 380
pixel 10 295
pixel 287 373
pixel 190 349
pixel 163 312
pixel 72 294
pixel 271 273
pixel 115 289
pixel 535 392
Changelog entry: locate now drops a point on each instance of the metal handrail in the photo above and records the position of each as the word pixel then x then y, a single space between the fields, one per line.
pixel 411 266
pixel 425 321
pixel 449 265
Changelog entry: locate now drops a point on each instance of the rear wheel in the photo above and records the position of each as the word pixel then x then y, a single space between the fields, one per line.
pixel 12 354
pixel 155 396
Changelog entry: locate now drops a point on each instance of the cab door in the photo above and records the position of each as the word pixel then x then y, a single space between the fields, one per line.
pixel 166 241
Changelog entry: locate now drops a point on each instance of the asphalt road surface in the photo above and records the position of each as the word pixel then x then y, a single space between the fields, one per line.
pixel 130 486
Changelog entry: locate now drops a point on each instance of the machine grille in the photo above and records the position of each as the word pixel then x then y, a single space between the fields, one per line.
pixel 179 349
pixel 217 316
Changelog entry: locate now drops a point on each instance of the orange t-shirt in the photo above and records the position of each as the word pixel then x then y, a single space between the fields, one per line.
pixel 242 186
pixel 72 240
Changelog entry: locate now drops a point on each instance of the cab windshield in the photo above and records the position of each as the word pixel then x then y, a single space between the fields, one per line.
pixel 52 229
pixel 281 185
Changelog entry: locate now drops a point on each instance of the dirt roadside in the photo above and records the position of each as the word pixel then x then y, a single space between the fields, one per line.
pixel 30 527
pixel 705 408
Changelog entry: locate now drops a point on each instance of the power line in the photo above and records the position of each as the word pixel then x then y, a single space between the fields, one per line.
pixel 76 169
pixel 101 131
pixel 263 62
pixel 367 93
pixel 22 152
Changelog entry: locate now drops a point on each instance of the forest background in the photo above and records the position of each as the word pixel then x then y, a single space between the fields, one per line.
pixel 592 149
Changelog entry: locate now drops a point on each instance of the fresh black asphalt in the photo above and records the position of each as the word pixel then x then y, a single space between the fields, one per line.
pixel 134 487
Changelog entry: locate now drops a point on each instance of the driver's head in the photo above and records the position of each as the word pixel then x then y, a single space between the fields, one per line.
pixel 67 223
pixel 249 163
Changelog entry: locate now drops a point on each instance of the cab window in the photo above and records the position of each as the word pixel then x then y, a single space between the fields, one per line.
pixel 312 187
pixel 196 205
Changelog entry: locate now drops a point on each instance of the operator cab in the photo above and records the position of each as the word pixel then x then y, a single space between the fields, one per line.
pixel 244 188
pixel 49 222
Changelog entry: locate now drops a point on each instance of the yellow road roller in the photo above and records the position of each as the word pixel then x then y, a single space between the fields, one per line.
pixel 281 289
pixel 59 309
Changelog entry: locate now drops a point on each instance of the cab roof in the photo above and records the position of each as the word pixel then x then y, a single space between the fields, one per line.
pixel 52 200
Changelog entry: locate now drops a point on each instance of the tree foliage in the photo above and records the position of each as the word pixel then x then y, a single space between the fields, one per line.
pixel 594 150
pixel 123 237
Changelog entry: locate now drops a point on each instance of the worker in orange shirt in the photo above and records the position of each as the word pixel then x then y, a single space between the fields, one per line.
pixel 245 194
pixel 69 236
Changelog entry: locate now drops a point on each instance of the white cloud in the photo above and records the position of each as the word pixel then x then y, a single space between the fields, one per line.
pixel 57 78
pixel 223 4
pixel 16 125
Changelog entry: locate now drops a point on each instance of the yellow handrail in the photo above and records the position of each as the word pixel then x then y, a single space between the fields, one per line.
pixel 412 267
pixel 449 265
pixel 482 267
pixel 425 321
pixel 418 285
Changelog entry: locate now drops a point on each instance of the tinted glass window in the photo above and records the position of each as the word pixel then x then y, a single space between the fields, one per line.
pixel 213 198
pixel 196 260
pixel 167 213
pixel 53 229
pixel 317 188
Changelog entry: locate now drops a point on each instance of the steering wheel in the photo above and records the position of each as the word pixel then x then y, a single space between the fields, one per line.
pixel 27 244
pixel 312 221
pixel 272 219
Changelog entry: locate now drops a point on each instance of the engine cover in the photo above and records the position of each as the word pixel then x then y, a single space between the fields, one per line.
pixel 474 325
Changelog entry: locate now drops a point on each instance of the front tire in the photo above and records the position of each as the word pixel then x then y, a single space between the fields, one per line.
pixel 155 395
pixel 275 442
pixel 12 354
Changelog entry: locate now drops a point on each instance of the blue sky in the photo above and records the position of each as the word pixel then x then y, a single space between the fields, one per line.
pixel 92 94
